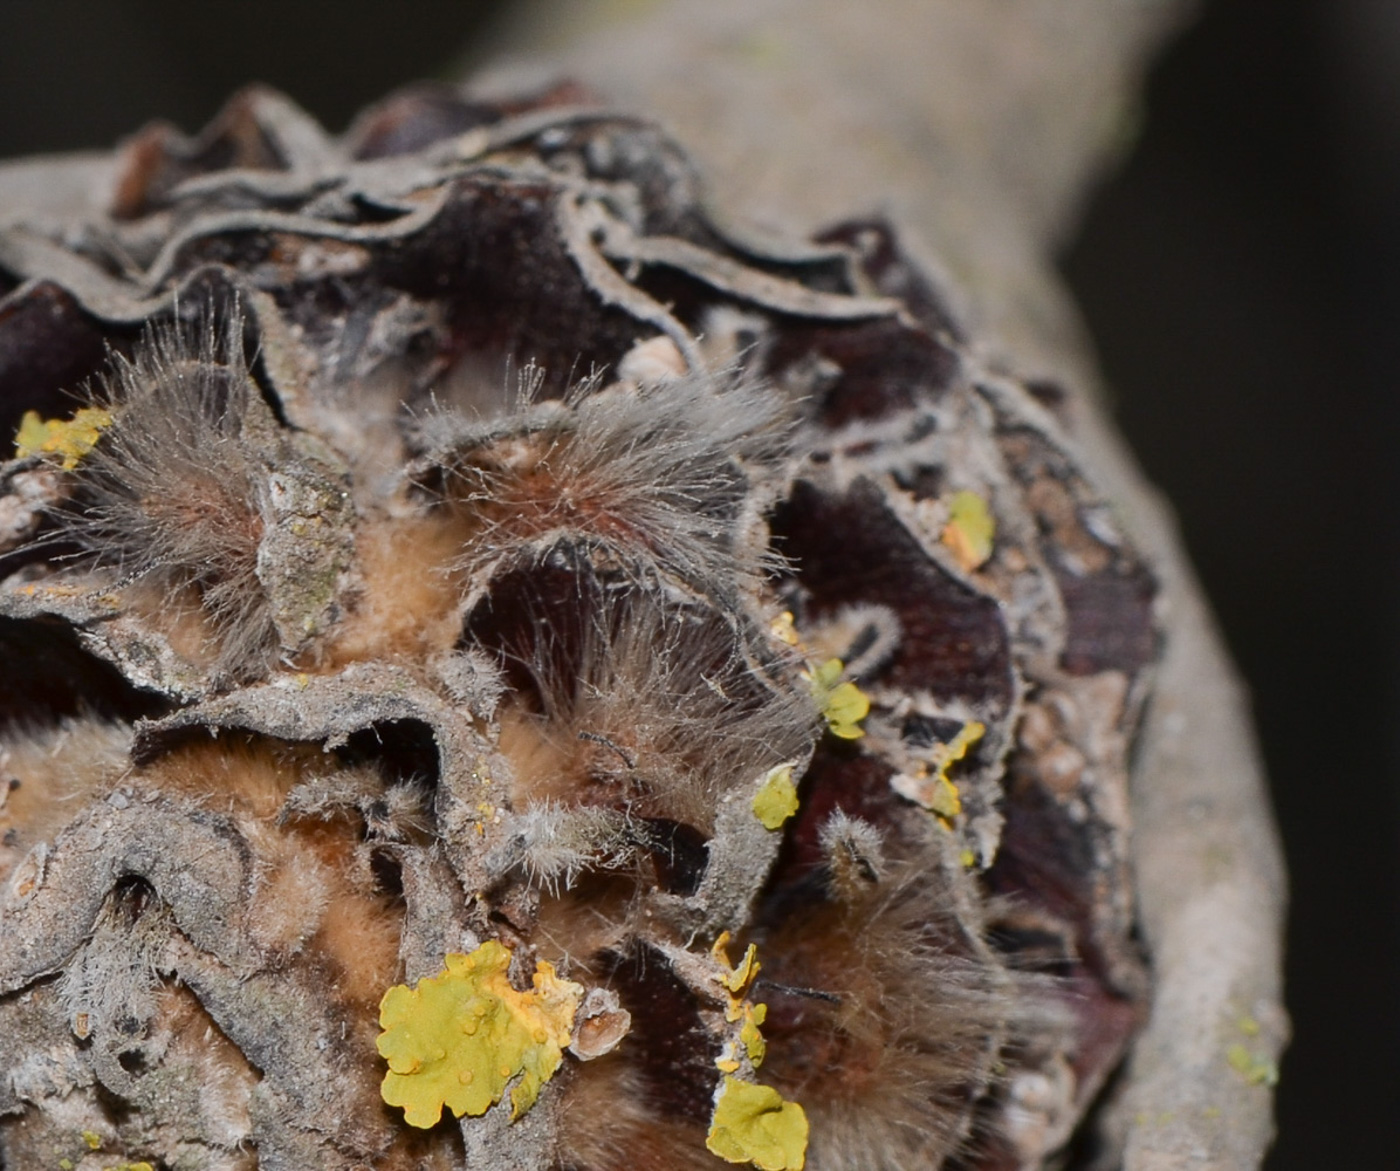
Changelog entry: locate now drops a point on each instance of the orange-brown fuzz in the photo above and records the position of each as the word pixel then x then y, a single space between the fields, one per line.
pixel 439 1149
pixel 241 775
pixel 360 935
pixel 883 1073
pixel 536 490
pixel 225 1078
pixel 316 905
pixel 219 506
pixel 316 894
pixel 48 777
pixel 658 721
pixel 543 764
pixel 607 1125
pixel 178 615
pixel 550 762
pixel 408 603
pixel 574 927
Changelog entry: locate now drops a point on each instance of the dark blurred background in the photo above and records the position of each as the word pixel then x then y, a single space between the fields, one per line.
pixel 1242 278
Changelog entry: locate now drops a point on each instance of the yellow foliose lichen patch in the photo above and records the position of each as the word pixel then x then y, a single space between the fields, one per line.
pixel 70 438
pixel 754 1124
pixel 458 1038
pixel 753 1015
pixel 776 799
pixel 842 704
pixel 970 530
pixel 736 979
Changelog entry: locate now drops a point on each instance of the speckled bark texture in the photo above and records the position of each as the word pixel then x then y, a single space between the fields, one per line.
pixel 483 540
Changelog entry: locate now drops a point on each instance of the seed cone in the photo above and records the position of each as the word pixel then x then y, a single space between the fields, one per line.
pixel 482 553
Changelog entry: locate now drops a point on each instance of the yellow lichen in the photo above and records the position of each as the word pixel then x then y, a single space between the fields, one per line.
pixel 71 438
pixel 776 799
pixel 458 1038
pixel 739 1009
pixel 738 978
pixel 970 530
pixel 1258 1071
pixel 959 746
pixel 945 802
pixel 754 1045
pixel 842 705
pixel 754 1124
pixel 751 1123
pixel 93 1139
pixel 931 786
pixel 784 630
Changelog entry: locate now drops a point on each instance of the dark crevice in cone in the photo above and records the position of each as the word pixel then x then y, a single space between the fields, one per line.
pixel 48 675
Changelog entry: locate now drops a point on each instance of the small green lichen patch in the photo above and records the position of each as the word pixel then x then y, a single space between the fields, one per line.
pixel 1257 1071
pixel 458 1038
pixel 970 530
pixel 70 438
pixel 754 1124
pixel 776 799
pixel 842 704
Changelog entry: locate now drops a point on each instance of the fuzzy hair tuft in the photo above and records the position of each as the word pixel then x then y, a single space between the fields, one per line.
pixel 552 844
pixel 174 495
pixel 656 714
pixel 48 774
pixel 651 478
pixel 884 1019
pixel 855 856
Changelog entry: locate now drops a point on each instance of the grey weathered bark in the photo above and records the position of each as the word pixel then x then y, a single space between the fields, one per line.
pixel 979 128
